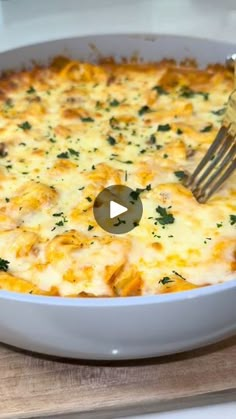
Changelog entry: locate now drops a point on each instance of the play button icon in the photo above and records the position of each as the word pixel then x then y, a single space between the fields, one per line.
pixel 118 209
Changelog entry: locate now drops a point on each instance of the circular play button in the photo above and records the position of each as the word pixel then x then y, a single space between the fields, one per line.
pixel 118 209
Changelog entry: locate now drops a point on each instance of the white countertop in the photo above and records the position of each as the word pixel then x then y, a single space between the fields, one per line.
pixel 29 21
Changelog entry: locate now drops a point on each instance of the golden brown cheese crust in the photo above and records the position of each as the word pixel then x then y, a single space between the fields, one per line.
pixel 72 129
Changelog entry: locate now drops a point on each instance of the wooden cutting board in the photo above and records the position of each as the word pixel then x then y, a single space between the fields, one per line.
pixel 37 386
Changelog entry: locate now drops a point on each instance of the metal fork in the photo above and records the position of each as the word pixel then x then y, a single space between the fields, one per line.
pixel 220 160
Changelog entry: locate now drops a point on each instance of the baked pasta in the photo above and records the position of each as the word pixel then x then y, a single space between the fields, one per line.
pixel 71 129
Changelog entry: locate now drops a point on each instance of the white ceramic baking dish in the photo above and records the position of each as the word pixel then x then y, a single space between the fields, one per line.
pixel 119 328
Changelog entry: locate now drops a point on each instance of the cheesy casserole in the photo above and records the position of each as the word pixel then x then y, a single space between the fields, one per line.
pixel 71 129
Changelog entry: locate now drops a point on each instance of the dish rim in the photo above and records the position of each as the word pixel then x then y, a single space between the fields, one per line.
pixel 101 302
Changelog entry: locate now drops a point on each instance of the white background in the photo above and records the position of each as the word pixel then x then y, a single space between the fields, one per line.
pixel 28 21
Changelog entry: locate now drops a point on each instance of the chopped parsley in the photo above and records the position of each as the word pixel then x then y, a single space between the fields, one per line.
pixel 114 102
pixel 180 174
pixel 232 219
pixel 57 214
pixel 165 217
pixel 205 95
pixel 160 90
pixel 7 199
pixel 179 131
pixel 163 128
pixel 60 223
pixel 207 128
pixel 90 227
pixel 165 156
pixel 152 139
pixel 82 187
pixel 73 152
pixel 188 93
pixel 218 225
pixel 114 123
pixel 31 90
pixel 219 112
pixel 26 126
pixel 176 273
pixel 89 199
pixel 87 119
pixel 135 194
pixel 143 110
pixel 63 155
pixel 165 280
pixel 4 265
pixel 111 140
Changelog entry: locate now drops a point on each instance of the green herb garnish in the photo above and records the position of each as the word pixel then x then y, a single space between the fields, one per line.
pixel 152 139
pixel 60 223
pixel 180 174
pixel 73 152
pixel 160 90
pixel 4 265
pixel 207 128
pixel 165 280
pixel 135 194
pixel 163 128
pixel 57 214
pixel 188 93
pixel 87 119
pixel 165 217
pixel 114 102
pixel 114 123
pixel 219 112
pixel 26 126
pixel 232 219
pixel 31 90
pixel 143 110
pixel 111 140
pixel 63 155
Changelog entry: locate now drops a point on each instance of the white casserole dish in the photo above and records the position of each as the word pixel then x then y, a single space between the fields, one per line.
pixel 130 327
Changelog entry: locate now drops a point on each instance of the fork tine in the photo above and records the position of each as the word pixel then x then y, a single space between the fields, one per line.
pixel 203 198
pixel 221 152
pixel 220 169
pixel 217 142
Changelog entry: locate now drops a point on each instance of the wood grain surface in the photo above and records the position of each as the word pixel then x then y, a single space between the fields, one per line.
pixel 37 386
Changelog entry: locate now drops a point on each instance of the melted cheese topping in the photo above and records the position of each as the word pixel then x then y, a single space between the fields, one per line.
pixel 72 129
